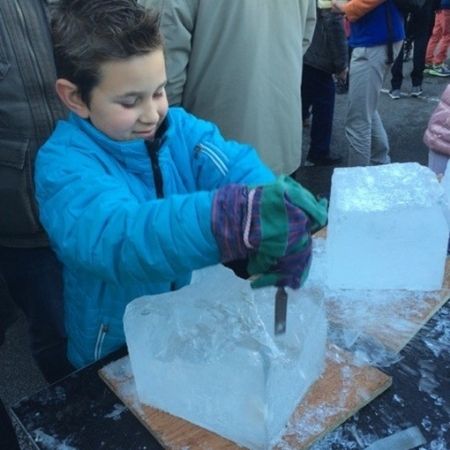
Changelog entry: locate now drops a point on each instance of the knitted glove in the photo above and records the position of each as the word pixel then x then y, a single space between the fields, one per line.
pixel 268 226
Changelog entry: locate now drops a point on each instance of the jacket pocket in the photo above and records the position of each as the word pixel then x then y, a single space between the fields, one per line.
pixel 214 155
pixel 19 215
pixel 98 350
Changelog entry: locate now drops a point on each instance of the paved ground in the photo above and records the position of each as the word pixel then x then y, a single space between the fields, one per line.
pixel 405 121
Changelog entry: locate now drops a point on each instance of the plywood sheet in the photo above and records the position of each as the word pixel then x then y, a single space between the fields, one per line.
pixel 342 390
pixel 392 317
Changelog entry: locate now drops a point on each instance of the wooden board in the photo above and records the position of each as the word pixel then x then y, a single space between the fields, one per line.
pixel 391 317
pixel 341 391
pixel 393 324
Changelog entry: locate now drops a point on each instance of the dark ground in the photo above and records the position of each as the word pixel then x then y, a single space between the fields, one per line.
pixel 405 121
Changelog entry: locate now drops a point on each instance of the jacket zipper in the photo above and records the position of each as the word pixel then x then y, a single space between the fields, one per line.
pixel 153 151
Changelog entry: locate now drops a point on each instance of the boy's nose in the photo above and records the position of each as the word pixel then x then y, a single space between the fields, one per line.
pixel 149 113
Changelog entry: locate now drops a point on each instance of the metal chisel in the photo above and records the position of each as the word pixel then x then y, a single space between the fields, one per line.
pixel 281 298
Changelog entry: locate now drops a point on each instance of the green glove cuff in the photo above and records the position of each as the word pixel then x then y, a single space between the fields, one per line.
pixel 316 209
pixel 274 229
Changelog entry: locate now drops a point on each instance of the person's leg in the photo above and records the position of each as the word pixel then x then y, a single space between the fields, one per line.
pixel 8 439
pixel 444 43
pixel 8 311
pixel 307 91
pixel 409 30
pixel 367 70
pixel 397 71
pixel 437 162
pixel 397 67
pixel 380 142
pixel 379 152
pixel 434 40
pixel 421 26
pixel 322 120
pixel 34 280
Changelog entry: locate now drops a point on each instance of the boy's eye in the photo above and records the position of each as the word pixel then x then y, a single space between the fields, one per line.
pixel 129 103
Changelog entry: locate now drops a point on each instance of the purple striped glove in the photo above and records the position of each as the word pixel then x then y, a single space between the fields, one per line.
pixel 264 226
pixel 235 221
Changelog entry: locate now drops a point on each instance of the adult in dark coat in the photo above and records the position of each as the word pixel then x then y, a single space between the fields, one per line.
pixel 30 273
pixel 326 56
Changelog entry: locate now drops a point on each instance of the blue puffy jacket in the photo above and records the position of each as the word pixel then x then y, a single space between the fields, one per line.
pixel 117 240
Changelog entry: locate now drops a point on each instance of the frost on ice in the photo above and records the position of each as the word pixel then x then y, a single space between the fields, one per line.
pixel 386 228
pixel 207 353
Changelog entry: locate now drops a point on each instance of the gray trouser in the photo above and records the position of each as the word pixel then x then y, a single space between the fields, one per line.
pixel 366 136
pixel 437 162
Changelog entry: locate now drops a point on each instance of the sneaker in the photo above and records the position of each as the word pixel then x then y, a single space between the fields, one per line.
pixel 440 70
pixel 427 68
pixel 416 91
pixel 322 160
pixel 394 94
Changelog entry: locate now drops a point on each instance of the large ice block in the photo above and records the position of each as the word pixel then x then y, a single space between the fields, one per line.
pixel 386 228
pixel 207 353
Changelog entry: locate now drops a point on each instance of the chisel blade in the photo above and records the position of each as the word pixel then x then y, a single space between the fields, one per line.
pixel 281 298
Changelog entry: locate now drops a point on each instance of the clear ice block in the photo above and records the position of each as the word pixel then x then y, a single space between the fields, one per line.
pixel 386 228
pixel 207 353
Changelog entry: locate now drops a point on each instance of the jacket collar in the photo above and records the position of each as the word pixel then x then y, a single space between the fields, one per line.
pixel 133 154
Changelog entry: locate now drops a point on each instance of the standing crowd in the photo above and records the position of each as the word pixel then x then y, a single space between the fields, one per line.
pixel 142 140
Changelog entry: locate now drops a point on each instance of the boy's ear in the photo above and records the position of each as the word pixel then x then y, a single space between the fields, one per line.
pixel 70 96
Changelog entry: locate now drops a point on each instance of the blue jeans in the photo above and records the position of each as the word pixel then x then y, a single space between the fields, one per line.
pixel 318 92
pixel 33 280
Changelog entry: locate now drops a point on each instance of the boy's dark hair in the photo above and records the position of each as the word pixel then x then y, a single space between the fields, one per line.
pixel 87 33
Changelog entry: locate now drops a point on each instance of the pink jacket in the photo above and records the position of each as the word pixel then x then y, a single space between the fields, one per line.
pixel 437 134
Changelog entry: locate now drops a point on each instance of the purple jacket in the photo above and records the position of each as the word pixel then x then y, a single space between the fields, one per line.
pixel 437 134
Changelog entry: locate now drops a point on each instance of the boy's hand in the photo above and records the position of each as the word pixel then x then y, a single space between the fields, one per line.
pixel 268 225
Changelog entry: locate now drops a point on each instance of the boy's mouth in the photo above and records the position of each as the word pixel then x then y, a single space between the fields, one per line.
pixel 145 134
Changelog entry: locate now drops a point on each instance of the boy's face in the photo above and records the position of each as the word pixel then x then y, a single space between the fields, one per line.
pixel 130 101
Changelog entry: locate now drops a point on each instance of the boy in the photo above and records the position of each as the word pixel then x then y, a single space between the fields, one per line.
pixel 134 196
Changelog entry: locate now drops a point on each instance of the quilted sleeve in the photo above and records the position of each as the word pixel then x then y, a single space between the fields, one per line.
pixel 96 222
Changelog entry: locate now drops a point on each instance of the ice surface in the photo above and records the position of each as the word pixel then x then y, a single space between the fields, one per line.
pixel 386 228
pixel 207 353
